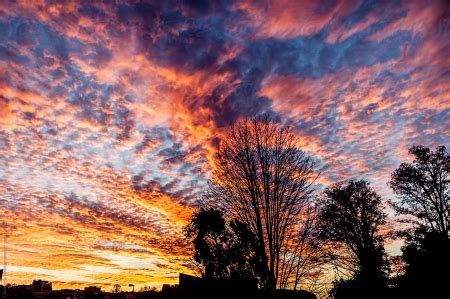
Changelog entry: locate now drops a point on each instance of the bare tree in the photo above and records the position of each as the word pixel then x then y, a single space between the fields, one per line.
pixel 423 188
pixel 303 256
pixel 263 179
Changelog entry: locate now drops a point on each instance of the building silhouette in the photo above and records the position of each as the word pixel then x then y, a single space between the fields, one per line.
pixel 41 288
pixel 188 287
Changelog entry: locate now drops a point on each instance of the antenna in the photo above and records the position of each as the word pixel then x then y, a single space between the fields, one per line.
pixel 4 257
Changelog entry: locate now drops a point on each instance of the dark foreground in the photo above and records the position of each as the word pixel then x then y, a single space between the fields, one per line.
pixel 77 294
pixel 188 287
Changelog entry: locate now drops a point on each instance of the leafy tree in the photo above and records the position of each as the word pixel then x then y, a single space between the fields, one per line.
pixel 423 189
pixel 210 238
pixel 263 180
pixel 350 217
pixel 243 253
pixel 223 249
pixel 427 260
pixel 117 288
pixel 148 289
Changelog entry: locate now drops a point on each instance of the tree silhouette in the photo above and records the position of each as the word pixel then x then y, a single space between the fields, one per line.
pixel 243 253
pixel 263 180
pixel 427 262
pixel 350 217
pixel 304 257
pixel 423 188
pixel 210 238
pixel 117 288
pixel 222 249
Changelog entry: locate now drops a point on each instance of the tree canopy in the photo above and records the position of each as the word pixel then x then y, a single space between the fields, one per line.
pixel 263 179
pixel 351 215
pixel 260 219
pixel 423 189
pixel 223 249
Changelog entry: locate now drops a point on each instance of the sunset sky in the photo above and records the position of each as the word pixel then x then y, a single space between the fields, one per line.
pixel 110 115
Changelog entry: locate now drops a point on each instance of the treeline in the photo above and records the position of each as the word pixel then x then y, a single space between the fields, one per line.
pixel 263 221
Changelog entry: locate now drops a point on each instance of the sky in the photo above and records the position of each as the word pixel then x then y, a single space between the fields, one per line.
pixel 111 112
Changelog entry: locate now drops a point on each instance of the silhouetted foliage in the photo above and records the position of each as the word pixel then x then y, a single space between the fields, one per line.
pixel 346 288
pixel 243 253
pixel 423 188
pixel 354 288
pixel 224 250
pixel 350 218
pixel 263 180
pixel 148 289
pixel 117 288
pixel 427 262
pixel 210 239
